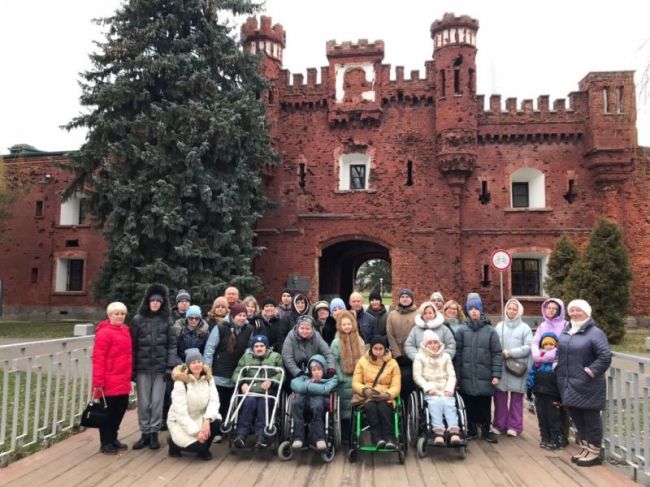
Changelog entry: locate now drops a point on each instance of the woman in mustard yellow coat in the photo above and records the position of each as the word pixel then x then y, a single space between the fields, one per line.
pixel 377 378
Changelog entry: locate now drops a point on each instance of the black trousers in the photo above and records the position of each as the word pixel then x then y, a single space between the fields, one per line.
pixel 589 424
pixel 379 415
pixel 116 408
pixel 548 417
pixel 479 412
pixel 198 447
pixel 225 394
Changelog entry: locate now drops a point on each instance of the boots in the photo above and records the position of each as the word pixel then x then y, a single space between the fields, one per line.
pixel 581 454
pixel 174 450
pixel 592 457
pixel 454 436
pixel 144 440
pixel 154 444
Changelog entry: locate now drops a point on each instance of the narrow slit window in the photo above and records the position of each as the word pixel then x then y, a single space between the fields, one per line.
pixel 457 80
pixel 443 83
pixel 606 99
pixel 619 99
pixel 470 81
pixel 409 173
pixel 302 175
pixel 358 176
pixel 485 278
pixel 38 210
pixel 33 276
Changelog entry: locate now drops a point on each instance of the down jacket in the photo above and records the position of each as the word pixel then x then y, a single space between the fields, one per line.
pixel 190 337
pixel 478 357
pixel 437 325
pixel 555 326
pixel 249 359
pixel 153 335
pixel 434 371
pixel 193 400
pixel 304 384
pixel 112 359
pixel 345 380
pixel 367 369
pixel 296 351
pixel 515 336
pixel 587 350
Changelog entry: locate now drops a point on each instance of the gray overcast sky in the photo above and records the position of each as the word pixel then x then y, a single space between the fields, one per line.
pixel 526 49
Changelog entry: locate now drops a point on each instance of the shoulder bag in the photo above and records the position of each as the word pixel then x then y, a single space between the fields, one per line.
pixel 95 414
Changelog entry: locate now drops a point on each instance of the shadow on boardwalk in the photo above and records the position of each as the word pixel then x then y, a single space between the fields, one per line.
pixel 512 462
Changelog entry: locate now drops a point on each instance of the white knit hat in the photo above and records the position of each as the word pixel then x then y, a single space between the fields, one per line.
pixel 430 336
pixel 582 304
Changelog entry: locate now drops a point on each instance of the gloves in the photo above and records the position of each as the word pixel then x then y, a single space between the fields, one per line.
pixel 368 392
pixel 331 373
pixel 384 396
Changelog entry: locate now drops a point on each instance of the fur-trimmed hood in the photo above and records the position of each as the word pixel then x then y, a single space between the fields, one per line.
pixel 182 373
pixel 165 308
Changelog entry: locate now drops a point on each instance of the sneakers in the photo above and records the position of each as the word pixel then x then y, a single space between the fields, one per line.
pixel 261 443
pixel 218 438
pixel 512 433
pixel 108 449
pixel 144 440
pixel 119 445
pixel 380 444
pixel 296 445
pixel 489 436
pixel 239 442
pixel 391 444
pixel 321 445
pixel 495 431
pixel 591 458
pixel 581 453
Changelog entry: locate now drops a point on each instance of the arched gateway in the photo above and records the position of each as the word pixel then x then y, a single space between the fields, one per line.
pixel 339 263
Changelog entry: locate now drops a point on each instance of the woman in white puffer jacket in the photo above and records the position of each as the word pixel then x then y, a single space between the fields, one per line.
pixel 193 418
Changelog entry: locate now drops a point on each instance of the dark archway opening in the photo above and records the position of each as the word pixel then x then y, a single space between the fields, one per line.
pixel 340 262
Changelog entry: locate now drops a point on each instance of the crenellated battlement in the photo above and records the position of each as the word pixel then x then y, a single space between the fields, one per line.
pixel 362 48
pixel 452 30
pixel 264 37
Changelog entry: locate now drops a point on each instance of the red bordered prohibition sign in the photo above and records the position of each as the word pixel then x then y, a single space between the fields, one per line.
pixel 501 260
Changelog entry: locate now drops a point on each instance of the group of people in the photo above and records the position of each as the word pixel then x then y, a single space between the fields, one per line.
pixel 186 368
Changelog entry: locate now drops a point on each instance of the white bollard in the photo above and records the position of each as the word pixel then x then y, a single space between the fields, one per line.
pixel 647 343
pixel 84 329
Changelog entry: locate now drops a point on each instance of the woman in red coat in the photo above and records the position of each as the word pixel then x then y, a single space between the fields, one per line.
pixel 112 368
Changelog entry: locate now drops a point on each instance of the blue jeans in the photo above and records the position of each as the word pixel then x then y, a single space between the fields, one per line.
pixel 253 407
pixel 316 405
pixel 439 406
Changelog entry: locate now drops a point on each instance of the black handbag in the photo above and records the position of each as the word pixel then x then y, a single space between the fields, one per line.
pixel 95 414
pixel 516 367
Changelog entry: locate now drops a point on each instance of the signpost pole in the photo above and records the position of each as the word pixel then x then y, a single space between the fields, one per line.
pixel 501 286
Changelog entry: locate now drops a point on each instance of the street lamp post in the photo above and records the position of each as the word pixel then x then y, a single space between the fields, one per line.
pixel 381 286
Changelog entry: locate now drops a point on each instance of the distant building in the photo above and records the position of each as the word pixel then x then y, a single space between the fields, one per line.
pixel 414 171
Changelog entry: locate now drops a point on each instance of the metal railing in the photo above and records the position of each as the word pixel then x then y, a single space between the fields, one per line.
pixel 627 415
pixel 44 388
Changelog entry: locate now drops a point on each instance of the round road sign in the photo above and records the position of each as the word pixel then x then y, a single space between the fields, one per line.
pixel 501 260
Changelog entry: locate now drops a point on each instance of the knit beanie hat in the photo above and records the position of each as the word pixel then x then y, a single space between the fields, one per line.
pixel 321 305
pixel 474 301
pixel 582 304
pixel 193 310
pixel 192 354
pixel 305 319
pixel 378 339
pixel 336 303
pixel 269 301
pixel 156 297
pixel 548 339
pixel 375 295
pixel 437 295
pixel 236 309
pixel 430 336
pixel 260 339
pixel 406 291
pixel 183 295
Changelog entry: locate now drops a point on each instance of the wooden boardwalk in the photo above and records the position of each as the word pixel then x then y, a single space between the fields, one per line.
pixel 512 462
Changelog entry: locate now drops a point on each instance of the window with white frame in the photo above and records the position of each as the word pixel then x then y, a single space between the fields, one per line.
pixel 527 274
pixel 527 188
pixel 69 275
pixel 354 171
pixel 73 211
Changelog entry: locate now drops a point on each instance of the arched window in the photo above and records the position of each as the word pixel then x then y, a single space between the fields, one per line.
pixel 527 188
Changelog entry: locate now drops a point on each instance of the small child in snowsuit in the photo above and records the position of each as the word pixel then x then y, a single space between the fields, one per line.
pixel 311 391
pixel 542 381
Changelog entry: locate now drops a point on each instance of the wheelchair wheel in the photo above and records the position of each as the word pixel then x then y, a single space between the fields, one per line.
pixel 270 430
pixel 353 455
pixel 336 420
pixel 462 452
pixel 422 446
pixel 285 452
pixel 286 418
pixel 401 456
pixel 226 427
pixel 329 454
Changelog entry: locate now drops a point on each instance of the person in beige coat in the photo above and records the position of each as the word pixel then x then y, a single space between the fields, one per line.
pixel 193 419
pixel 433 371
pixel 399 324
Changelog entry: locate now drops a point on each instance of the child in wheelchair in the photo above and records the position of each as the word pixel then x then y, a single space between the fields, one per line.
pixel 433 371
pixel 311 392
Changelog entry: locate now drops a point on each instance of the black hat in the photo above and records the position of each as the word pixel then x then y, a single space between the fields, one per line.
pixel 156 297
pixel 406 291
pixel 269 301
pixel 375 295
pixel 378 339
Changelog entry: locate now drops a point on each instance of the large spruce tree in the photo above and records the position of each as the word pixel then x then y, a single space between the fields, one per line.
pixel 602 277
pixel 564 255
pixel 176 143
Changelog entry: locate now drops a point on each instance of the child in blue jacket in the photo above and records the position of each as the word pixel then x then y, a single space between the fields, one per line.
pixel 311 391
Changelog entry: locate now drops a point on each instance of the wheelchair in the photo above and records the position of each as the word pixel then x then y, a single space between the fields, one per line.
pixel 420 430
pixel 332 425
pixel 357 429
pixel 274 398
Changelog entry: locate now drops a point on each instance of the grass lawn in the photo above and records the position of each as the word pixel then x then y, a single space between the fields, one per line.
pixel 36 329
pixel 633 342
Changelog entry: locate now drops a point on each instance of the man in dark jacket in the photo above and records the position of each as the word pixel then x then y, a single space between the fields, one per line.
pixel 479 365
pixel 154 355
pixel 377 309
pixel 183 301
pixel 367 323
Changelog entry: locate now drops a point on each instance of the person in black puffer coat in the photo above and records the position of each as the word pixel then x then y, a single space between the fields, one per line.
pixel 583 356
pixel 154 356
pixel 479 364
